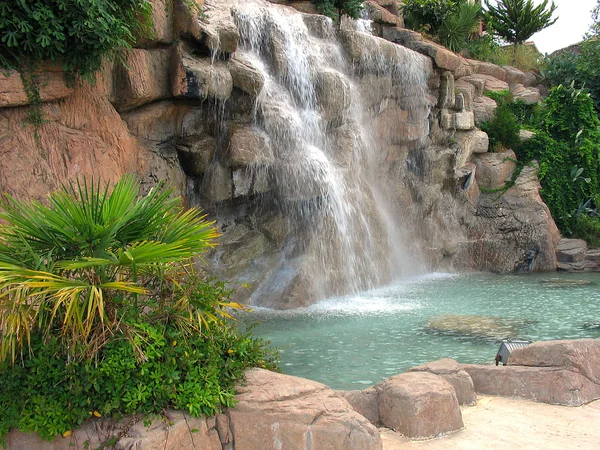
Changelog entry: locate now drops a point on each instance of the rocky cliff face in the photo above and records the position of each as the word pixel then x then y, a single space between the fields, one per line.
pixel 332 160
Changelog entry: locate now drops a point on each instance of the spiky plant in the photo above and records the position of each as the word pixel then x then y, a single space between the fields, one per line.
pixel 458 26
pixel 93 261
pixel 515 21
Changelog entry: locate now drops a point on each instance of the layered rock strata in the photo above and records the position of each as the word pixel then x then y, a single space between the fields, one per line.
pixel 392 174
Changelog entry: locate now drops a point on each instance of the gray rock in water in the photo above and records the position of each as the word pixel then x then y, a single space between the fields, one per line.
pixel 485 327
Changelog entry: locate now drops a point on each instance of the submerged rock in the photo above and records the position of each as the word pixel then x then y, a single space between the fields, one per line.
pixel 562 282
pixel 486 327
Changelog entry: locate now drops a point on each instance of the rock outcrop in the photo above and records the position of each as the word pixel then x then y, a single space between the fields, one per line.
pixel 557 372
pixel 396 149
pixel 454 374
pixel 274 411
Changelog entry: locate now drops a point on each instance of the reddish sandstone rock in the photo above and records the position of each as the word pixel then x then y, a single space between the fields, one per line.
pixel 51 82
pixel 277 411
pixel 552 385
pixel 451 371
pixel 365 402
pixel 581 356
pixel 419 405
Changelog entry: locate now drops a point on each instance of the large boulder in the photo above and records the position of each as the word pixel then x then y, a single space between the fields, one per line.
pixel 470 142
pixel 333 91
pixel 484 109
pixel 195 78
pixel 581 356
pixel 276 411
pixel 489 83
pixel 571 250
pixel 245 76
pixel 142 77
pixel 365 402
pixel 453 373
pixel 527 95
pixel 419 405
pixel 52 86
pixel 162 25
pixel 494 169
pixel 554 385
pixel 248 146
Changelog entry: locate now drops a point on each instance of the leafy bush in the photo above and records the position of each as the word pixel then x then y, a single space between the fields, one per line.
pixel 503 129
pixel 449 21
pixel 102 309
pixel 567 139
pixel 337 8
pixel 588 228
pixel 561 69
pixel 483 48
pixel 91 262
pixel 427 15
pixel 456 28
pixel 75 34
pixel 49 395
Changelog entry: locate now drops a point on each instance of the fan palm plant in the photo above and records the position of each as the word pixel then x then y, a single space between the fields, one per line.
pixel 91 263
pixel 458 26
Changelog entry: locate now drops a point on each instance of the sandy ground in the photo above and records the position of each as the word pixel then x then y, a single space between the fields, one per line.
pixel 503 423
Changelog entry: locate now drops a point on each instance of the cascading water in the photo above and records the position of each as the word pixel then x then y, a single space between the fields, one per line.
pixel 326 175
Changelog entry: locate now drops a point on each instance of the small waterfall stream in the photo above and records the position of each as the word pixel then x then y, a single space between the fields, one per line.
pixel 326 172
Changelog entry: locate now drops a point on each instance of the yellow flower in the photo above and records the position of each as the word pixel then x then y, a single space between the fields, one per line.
pixel 97 414
pixel 66 433
pixel 230 351
pixel 174 343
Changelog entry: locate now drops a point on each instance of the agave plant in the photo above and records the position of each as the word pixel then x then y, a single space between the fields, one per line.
pixel 89 264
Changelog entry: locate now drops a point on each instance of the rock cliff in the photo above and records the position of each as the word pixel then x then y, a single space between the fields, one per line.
pixel 333 160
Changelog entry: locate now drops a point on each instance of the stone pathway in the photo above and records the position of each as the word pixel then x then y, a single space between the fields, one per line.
pixel 505 423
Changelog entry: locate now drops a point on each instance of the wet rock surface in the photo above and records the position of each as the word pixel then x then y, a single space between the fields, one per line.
pixel 483 327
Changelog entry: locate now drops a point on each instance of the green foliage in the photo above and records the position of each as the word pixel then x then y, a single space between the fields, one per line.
pixel 91 261
pixel 338 8
pixel 486 48
pixel 566 146
pixel 49 395
pixel 455 30
pixel 587 227
pixel 427 15
pixel 515 21
pixel 483 48
pixel 561 69
pixel 76 34
pixel 503 129
pixel 450 21
pixel 102 310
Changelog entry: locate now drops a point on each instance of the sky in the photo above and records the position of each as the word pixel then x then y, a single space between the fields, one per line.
pixel 573 22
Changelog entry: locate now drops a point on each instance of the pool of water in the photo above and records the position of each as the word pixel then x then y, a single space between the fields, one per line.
pixel 354 342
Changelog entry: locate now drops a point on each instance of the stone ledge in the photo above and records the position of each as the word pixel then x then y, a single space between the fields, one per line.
pixel 52 86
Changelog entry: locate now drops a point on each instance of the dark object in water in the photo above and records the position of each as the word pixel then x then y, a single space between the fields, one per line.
pixel 507 346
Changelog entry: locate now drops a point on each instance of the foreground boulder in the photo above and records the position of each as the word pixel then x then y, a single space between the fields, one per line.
pixel 274 411
pixel 452 372
pixel 278 411
pixel 556 372
pixel 419 405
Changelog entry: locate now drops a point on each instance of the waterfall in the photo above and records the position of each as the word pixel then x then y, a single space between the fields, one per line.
pixel 327 173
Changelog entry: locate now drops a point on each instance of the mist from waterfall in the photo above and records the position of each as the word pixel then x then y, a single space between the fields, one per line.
pixel 327 160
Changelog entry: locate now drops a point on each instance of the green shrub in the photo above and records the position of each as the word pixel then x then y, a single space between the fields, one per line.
pixel 76 34
pixel 427 15
pixel 50 395
pixel 102 309
pixel 587 227
pixel 84 267
pixel 483 48
pixel 337 8
pixel 567 139
pixel 503 129
pixel 561 69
